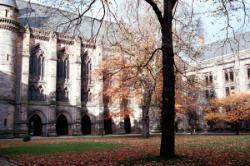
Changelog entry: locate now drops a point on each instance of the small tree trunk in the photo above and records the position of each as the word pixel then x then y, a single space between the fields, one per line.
pixel 145 123
pixel 237 126
pixel 145 111
pixel 147 95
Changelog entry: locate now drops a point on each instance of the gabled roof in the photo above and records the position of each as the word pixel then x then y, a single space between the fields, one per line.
pixel 53 19
pixel 227 46
pixel 10 3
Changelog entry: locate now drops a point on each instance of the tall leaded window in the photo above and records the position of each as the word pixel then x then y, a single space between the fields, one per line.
pixel 36 93
pixel 5 122
pixel 62 94
pixel 85 77
pixel 209 79
pixel 209 93
pixel 229 75
pixel 248 72
pixel 229 90
pixel 62 65
pixel 36 66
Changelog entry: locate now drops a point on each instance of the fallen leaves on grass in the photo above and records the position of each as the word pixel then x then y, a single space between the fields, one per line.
pixel 146 151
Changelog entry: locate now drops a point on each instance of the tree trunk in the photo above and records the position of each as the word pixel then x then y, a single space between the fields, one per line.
pixel 145 122
pixel 168 94
pixel 147 95
pixel 237 126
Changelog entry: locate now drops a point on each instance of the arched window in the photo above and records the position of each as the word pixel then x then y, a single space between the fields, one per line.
pixel 229 75
pixel 62 65
pixel 5 122
pixel 85 77
pixel 36 66
pixel 36 93
pixel 59 68
pixel 6 13
pixel 66 68
pixel 83 67
pixel 248 72
pixel 62 94
pixel 66 94
pixel 32 92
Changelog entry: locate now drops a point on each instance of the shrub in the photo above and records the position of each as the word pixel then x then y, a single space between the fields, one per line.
pixel 26 138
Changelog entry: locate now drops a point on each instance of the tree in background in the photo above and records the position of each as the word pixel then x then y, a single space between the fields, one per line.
pixel 233 109
pixel 188 100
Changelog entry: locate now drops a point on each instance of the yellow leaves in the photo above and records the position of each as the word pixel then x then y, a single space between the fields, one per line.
pixel 121 113
pixel 215 116
pixel 234 108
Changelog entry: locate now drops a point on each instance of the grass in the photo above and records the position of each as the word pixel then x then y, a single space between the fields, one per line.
pixel 222 143
pixel 41 149
pixel 219 143
pixel 201 150
pixel 190 150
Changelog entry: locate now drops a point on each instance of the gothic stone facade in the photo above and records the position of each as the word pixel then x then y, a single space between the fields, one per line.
pixel 47 83
pixel 224 71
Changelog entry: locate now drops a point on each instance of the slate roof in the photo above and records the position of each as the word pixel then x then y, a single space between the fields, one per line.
pixel 48 18
pixel 52 19
pixel 11 3
pixel 227 46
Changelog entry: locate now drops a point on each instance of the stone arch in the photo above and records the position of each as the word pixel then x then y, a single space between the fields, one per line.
pixel 108 125
pixel 127 124
pixel 36 123
pixel 86 125
pixel 63 122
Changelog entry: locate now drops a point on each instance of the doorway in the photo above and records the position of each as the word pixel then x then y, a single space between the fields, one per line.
pixel 86 125
pixel 61 125
pixel 35 125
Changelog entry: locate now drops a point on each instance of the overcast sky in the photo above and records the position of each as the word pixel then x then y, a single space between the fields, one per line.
pixel 212 25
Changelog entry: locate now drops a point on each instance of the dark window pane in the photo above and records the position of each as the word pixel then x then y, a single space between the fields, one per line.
pixel 5 122
pixel 227 91
pixel 207 94
pixel 212 93
pixel 226 76
pixel 248 72
pixel 211 79
pixel 206 77
pixel 231 75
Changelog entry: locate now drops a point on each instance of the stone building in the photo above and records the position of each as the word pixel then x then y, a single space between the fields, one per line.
pixel 47 81
pixel 223 69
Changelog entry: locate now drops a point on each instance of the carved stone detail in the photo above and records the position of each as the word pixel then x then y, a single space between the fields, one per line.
pixel 40 34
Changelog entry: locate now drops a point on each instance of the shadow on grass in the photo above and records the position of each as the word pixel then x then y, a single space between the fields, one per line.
pixel 42 149
pixel 153 159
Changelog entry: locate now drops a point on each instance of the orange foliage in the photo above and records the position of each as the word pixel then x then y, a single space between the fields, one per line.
pixel 234 108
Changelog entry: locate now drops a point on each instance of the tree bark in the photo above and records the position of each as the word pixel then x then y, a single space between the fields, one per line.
pixel 147 95
pixel 237 126
pixel 145 123
pixel 168 94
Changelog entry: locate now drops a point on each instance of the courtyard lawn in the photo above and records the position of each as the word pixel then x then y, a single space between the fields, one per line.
pixel 125 150
pixel 40 149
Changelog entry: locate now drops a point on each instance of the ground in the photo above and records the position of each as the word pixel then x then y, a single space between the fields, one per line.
pixel 128 150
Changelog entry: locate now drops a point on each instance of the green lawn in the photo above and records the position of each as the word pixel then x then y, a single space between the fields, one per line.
pixel 209 150
pixel 228 143
pixel 39 149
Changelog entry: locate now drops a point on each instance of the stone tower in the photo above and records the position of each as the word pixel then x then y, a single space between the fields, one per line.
pixel 9 29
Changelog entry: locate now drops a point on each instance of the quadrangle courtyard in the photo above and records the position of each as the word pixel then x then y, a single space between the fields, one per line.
pixel 127 150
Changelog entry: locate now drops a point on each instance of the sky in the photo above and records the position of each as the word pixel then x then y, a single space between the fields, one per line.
pixel 212 24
